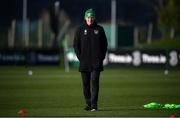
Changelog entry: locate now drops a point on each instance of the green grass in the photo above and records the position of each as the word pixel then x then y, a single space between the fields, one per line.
pixel 164 44
pixel 52 92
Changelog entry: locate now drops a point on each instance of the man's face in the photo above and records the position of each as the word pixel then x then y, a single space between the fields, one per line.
pixel 89 20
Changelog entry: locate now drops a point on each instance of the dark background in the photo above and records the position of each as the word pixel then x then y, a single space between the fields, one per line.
pixel 139 12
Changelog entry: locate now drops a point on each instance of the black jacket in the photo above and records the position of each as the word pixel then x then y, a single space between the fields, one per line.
pixel 90 46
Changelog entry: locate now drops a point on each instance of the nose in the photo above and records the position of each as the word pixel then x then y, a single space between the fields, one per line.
pixel 90 19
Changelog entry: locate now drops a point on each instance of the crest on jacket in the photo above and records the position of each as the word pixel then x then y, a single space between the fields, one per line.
pixel 96 32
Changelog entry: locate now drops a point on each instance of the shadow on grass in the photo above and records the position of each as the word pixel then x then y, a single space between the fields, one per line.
pixel 120 109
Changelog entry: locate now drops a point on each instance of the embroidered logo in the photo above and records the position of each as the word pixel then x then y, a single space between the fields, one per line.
pixel 96 32
pixel 85 32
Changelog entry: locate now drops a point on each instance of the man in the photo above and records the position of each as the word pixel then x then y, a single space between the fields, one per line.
pixel 90 46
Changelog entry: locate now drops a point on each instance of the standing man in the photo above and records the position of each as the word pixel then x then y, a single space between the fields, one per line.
pixel 90 46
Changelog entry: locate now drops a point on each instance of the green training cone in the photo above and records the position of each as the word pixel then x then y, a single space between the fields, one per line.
pixel 171 106
pixel 153 105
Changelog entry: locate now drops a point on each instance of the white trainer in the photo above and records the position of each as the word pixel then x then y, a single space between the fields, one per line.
pixel 93 109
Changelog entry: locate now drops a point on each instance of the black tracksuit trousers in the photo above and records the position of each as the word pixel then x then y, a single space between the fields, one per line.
pixel 91 87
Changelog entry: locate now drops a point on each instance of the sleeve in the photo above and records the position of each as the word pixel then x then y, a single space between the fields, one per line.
pixel 104 43
pixel 76 44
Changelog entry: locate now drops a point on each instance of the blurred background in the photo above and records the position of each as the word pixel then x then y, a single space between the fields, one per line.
pixel 51 24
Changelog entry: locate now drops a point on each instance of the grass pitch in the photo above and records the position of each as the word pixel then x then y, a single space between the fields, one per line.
pixel 50 91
